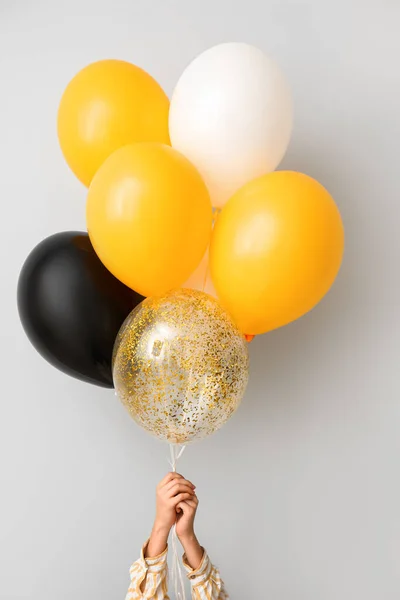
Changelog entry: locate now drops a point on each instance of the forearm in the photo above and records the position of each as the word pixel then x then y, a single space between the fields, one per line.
pixel 193 551
pixel 158 540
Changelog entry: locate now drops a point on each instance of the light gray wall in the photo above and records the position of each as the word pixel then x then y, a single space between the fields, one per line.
pixel 300 492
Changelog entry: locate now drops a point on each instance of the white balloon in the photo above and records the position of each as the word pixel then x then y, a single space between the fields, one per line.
pixel 231 115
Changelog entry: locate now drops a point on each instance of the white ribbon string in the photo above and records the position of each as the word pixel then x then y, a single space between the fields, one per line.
pixel 176 570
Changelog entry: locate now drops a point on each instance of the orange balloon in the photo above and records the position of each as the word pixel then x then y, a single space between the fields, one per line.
pixel 276 250
pixel 107 105
pixel 149 217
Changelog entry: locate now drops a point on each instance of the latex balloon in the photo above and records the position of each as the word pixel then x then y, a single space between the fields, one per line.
pixel 231 115
pixel 71 307
pixel 276 250
pixel 180 366
pixel 108 104
pixel 149 217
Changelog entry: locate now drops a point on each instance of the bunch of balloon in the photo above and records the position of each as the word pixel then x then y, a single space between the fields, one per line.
pixel 181 195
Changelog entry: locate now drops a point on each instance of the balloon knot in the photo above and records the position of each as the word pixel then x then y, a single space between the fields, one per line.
pixel 249 337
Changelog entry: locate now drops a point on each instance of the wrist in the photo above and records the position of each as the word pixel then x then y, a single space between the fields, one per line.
pixel 189 534
pixel 188 537
pixel 193 551
pixel 160 529
pixel 158 540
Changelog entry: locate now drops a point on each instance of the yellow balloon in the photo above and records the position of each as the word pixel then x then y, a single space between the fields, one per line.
pixel 107 105
pixel 149 217
pixel 276 250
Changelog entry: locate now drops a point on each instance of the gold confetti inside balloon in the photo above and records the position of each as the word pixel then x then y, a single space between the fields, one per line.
pixel 180 366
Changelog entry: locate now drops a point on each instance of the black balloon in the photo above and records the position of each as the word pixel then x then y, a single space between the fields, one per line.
pixel 71 307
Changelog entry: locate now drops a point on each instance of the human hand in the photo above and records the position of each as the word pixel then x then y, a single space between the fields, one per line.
pixel 186 512
pixel 171 491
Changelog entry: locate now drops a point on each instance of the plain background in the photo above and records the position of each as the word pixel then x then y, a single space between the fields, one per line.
pixel 300 492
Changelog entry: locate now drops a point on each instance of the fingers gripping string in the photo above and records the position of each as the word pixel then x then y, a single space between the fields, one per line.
pixel 176 452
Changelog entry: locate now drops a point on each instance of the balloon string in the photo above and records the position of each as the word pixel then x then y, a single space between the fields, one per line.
pixel 216 213
pixel 176 452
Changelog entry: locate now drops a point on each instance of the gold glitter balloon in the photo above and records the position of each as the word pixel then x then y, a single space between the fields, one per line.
pixel 180 365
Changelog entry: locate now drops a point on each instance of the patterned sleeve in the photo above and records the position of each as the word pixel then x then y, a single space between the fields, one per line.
pixel 155 571
pixel 206 581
